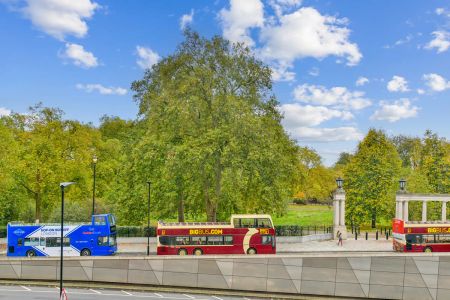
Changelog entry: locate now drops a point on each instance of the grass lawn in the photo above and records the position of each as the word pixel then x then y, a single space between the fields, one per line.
pixel 306 215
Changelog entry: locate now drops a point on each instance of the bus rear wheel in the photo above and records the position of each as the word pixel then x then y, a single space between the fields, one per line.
pixel 182 252
pixel 428 250
pixel 251 251
pixel 31 253
pixel 198 252
pixel 85 252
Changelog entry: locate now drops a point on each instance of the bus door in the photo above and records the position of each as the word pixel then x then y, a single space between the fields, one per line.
pixel 414 243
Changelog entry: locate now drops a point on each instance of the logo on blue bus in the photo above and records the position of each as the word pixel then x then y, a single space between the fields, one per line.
pixel 19 232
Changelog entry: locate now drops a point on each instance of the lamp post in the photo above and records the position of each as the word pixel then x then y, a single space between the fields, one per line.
pixel 62 185
pixel 402 183
pixel 148 218
pixel 94 163
pixel 339 182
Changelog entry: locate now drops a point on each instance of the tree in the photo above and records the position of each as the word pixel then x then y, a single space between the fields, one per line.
pixel 409 150
pixel 371 179
pixel 213 131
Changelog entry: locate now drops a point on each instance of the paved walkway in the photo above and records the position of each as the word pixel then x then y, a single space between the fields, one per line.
pixel 331 246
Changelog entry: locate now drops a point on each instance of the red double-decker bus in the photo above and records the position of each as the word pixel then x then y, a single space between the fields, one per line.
pixel 245 234
pixel 420 236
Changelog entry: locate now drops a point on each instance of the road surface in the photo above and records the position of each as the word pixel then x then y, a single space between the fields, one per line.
pixel 14 292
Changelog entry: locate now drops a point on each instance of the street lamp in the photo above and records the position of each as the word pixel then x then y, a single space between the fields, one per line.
pixel 339 182
pixel 94 163
pixel 148 218
pixel 62 185
pixel 402 184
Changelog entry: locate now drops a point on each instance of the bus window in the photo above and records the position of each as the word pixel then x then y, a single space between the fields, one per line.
pixel 31 242
pixel 111 220
pixel 112 240
pixel 245 223
pixel 42 243
pixel 19 242
pixel 99 220
pixel 198 240
pixel 266 239
pixel 182 240
pixel 56 242
pixel 228 240
pixel 167 240
pixel 102 241
pixel 264 223
pixel 215 240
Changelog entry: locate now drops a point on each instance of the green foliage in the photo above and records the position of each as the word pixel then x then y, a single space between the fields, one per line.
pixel 213 139
pixel 371 179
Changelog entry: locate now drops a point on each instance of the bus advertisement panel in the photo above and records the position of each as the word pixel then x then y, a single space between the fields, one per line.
pixel 420 237
pixel 97 238
pixel 245 234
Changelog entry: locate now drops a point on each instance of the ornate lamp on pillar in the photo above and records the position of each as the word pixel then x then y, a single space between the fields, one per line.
pixel 339 210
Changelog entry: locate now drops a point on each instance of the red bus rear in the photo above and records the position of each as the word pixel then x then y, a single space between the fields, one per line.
pixel 245 234
pixel 420 237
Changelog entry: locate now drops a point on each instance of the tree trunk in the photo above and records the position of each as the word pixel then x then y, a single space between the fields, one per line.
pixel 37 199
pixel 209 203
pixel 181 208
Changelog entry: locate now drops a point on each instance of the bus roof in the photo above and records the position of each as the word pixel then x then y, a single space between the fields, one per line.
pixel 162 224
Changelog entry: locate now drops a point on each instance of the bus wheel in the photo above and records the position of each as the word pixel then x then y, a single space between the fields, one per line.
pixel 31 253
pixel 428 249
pixel 251 251
pixel 198 252
pixel 182 252
pixel 85 252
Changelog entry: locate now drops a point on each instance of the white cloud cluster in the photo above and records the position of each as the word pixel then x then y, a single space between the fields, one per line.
pixel 4 112
pixel 361 81
pixel 147 57
pixel 397 84
pixel 59 18
pixel 441 41
pixel 337 97
pixel 436 82
pixel 296 115
pixel 238 20
pixel 293 33
pixel 79 56
pixel 101 89
pixel 307 33
pixel 392 112
pixel 327 134
pixel 186 19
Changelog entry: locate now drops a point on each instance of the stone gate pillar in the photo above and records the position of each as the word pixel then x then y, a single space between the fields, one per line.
pixel 339 213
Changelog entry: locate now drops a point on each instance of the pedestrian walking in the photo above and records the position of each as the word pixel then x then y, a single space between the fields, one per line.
pixel 340 239
pixel 337 236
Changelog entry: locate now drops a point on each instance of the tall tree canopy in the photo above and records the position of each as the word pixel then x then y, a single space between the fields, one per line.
pixel 371 179
pixel 213 139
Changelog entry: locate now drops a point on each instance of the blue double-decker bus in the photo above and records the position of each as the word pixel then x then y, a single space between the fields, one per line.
pixel 97 238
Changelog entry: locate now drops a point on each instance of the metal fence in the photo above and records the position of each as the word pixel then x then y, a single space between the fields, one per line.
pixel 282 230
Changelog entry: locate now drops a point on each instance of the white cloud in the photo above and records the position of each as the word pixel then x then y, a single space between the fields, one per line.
pixel 392 112
pixel 441 41
pixel 281 6
pixel 296 115
pixel 420 91
pixel 361 81
pixel 397 84
pixel 436 82
pixel 59 18
pixel 242 16
pixel 326 134
pixel 79 56
pixel 186 19
pixel 282 73
pixel 338 97
pixel 4 112
pixel 101 89
pixel 307 33
pixel 442 11
pixel 147 57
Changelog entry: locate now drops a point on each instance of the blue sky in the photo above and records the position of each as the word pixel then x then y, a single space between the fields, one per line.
pixel 340 67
